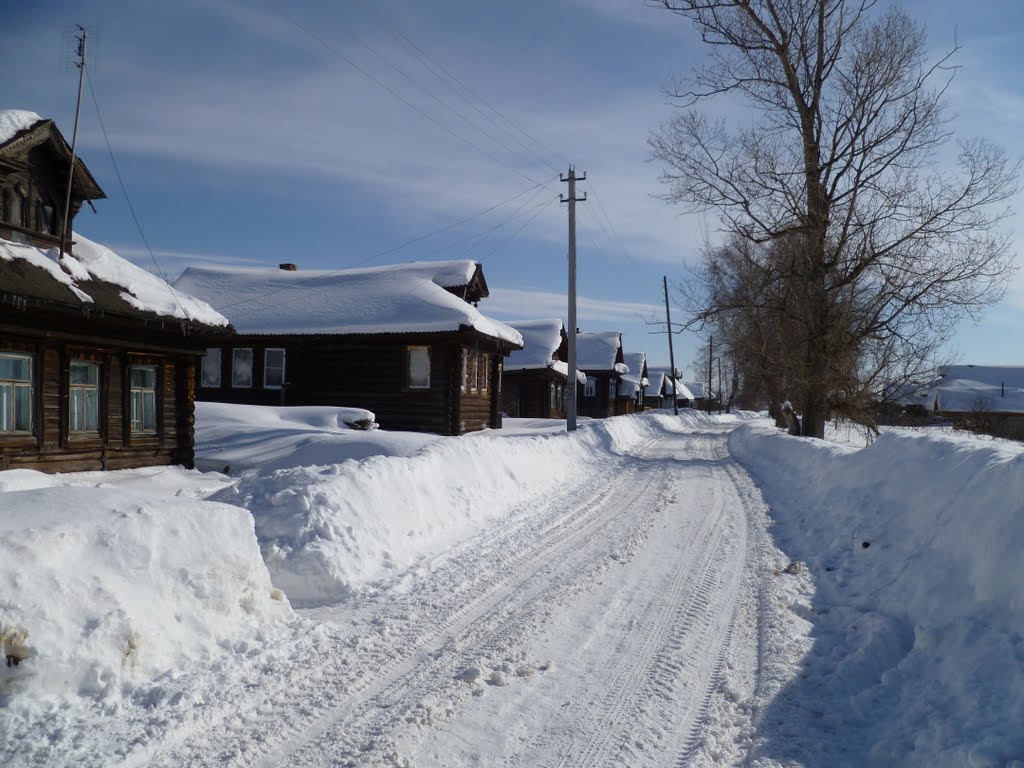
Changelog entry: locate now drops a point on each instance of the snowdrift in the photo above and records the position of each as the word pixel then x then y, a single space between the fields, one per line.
pixel 103 586
pixel 326 530
pixel 248 437
pixel 914 546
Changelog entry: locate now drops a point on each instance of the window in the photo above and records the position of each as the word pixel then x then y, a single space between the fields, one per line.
pixel 590 388
pixel 241 368
pixel 15 392
pixel 143 398
pixel 552 395
pixel 613 388
pixel 84 397
pixel 46 218
pixel 16 209
pixel 484 369
pixel 273 369
pixel 211 368
pixel 419 367
pixel 465 369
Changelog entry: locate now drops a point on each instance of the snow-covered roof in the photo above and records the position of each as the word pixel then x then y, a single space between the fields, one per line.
pixel 635 380
pixel 696 388
pixel 964 388
pixel 541 340
pixel 600 351
pixel 14 121
pixel 92 276
pixel 661 382
pixel 398 298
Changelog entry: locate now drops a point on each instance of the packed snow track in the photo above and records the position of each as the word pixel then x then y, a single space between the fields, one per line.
pixel 615 623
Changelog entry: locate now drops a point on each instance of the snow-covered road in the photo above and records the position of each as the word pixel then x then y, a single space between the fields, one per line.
pixel 616 623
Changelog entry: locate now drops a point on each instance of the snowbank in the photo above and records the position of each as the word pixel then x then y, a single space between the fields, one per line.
pixel 326 530
pixel 267 438
pixel 106 586
pixel 914 547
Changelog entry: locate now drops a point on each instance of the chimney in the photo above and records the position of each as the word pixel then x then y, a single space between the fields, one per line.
pixel 289 267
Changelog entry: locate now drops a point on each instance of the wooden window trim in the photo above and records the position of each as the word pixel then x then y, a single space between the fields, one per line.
pixel 157 398
pixel 20 435
pixel 87 435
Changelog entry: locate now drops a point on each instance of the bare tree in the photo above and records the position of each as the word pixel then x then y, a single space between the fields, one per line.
pixel 879 251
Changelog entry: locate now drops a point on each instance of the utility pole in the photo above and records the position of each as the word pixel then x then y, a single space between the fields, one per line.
pixel 671 355
pixel 570 416
pixel 719 384
pixel 707 393
pixel 74 138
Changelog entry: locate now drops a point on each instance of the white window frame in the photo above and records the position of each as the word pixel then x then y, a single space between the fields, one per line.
pixel 208 371
pixel 9 419
pixel 409 355
pixel 465 369
pixel 267 367
pixel 234 368
pixel 137 396
pixel 80 392
pixel 590 387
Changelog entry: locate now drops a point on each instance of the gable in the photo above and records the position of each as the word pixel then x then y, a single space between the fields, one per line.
pixel 40 151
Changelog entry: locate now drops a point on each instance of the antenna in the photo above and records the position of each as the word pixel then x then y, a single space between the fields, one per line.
pixel 82 38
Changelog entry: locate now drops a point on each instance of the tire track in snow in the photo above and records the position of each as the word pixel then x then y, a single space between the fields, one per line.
pixel 301 701
pixel 637 688
pixel 554 571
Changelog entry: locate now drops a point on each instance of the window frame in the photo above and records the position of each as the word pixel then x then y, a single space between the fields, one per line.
pixel 267 368
pixel 203 367
pixel 145 430
pixel 590 387
pixel 20 384
pixel 409 351
pixel 75 389
pixel 234 367
pixel 484 378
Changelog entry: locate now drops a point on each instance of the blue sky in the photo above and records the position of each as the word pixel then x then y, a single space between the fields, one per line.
pixel 325 133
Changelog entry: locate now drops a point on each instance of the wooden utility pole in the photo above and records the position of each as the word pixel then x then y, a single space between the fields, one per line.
pixel 719 384
pixel 707 393
pixel 671 355
pixel 570 415
pixel 74 139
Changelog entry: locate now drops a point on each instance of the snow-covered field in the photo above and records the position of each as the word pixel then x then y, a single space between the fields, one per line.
pixel 622 596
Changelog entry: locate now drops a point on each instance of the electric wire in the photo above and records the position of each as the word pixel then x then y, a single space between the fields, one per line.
pixel 124 191
pixel 370 76
pixel 400 246
pixel 447 77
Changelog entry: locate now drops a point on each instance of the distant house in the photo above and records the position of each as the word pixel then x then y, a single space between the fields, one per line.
pixel 633 386
pixel 664 387
pixel 405 341
pixel 994 394
pixel 599 357
pixel 97 357
pixel 536 376
pixel 697 391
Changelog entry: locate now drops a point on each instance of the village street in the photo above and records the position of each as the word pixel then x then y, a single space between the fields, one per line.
pixel 611 624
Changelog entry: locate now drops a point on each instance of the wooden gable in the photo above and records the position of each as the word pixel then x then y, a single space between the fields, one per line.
pixel 33 185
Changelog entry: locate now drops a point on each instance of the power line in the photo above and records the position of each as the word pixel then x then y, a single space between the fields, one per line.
pixel 326 45
pixel 448 77
pixel 124 191
pixel 439 100
pixel 540 208
pixel 400 246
